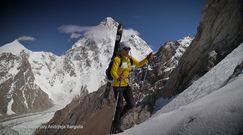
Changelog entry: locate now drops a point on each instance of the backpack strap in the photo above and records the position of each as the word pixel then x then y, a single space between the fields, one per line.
pixel 131 61
pixel 121 60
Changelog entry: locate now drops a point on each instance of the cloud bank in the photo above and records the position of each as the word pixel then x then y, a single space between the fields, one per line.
pixel 74 30
pixel 97 32
pixel 26 38
pixel 68 29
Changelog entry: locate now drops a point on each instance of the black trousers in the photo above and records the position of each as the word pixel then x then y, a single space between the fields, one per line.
pixel 125 92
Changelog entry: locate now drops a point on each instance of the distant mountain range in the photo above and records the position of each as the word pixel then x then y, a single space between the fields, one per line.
pixel 80 70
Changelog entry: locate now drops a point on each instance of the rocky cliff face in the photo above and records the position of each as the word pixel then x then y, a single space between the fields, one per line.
pixel 19 93
pixel 219 32
pixel 91 114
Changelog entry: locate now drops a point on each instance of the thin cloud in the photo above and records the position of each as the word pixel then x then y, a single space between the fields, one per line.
pixel 69 29
pixel 74 30
pixel 26 38
pixel 127 33
pixel 131 32
pixel 97 32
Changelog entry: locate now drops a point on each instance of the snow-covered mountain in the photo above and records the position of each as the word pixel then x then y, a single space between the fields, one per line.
pixel 211 105
pixel 18 91
pixel 14 47
pixel 79 71
pixel 82 67
pixel 165 61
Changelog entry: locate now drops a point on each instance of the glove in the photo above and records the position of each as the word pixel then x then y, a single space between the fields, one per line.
pixel 119 79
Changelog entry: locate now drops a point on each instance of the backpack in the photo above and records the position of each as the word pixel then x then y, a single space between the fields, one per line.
pixel 108 70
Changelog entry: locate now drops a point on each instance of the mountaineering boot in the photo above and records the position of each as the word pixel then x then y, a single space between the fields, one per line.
pixel 116 130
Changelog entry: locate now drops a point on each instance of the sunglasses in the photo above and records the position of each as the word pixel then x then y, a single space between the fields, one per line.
pixel 127 49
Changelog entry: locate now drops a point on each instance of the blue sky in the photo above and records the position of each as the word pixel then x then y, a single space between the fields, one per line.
pixel 157 21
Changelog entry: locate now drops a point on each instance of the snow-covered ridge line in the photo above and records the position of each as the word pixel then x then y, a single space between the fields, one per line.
pixel 184 44
pixel 14 47
pixel 211 81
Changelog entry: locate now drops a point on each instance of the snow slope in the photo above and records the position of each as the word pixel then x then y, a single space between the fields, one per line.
pixel 209 106
pixel 210 82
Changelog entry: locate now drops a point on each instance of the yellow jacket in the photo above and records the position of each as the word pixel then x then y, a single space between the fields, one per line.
pixel 124 69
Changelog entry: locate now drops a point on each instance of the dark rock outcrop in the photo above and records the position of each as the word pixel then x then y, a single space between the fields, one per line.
pixel 91 114
pixel 237 71
pixel 219 32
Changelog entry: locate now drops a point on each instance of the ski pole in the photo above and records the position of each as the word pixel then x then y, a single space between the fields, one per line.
pixel 114 112
pixel 144 78
pixel 145 75
pixel 146 72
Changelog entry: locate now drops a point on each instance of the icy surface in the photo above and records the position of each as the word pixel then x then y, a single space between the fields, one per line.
pixel 26 124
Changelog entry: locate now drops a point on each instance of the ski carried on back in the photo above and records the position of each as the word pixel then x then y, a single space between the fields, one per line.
pixel 118 39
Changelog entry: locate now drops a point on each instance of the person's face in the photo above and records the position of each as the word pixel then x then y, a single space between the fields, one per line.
pixel 125 51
